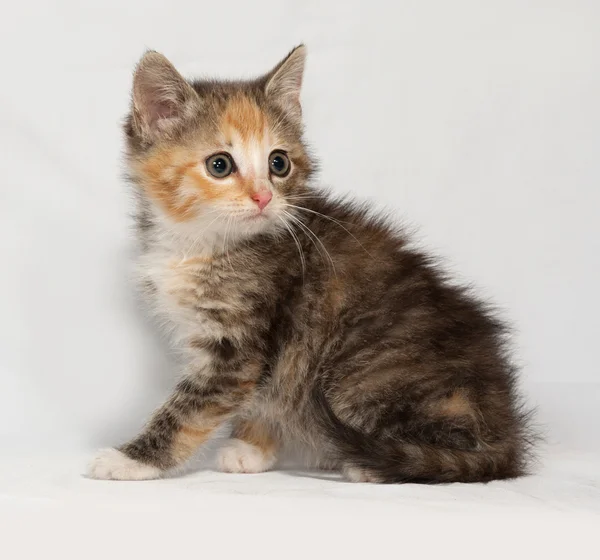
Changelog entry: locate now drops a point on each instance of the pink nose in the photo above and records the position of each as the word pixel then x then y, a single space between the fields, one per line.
pixel 262 198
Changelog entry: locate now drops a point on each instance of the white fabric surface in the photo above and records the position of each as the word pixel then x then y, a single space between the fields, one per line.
pixel 478 121
pixel 296 514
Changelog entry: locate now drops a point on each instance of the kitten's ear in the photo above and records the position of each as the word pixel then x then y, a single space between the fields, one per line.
pixel 285 80
pixel 162 99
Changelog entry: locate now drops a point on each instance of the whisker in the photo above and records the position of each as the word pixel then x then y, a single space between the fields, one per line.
pixel 199 236
pixel 297 242
pixel 229 222
pixel 312 237
pixel 303 196
pixel 335 222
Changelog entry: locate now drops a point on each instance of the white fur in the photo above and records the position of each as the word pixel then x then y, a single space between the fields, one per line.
pixel 111 464
pixel 241 457
pixel 355 474
pixel 176 286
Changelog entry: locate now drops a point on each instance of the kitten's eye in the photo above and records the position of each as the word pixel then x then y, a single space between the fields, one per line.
pixel 220 165
pixel 279 163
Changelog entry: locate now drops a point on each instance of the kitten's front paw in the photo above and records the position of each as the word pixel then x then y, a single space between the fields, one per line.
pixel 112 464
pixel 241 457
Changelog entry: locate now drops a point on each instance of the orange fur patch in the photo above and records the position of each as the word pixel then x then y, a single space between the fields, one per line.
pixel 247 385
pixel 188 439
pixel 196 261
pixel 192 435
pixel 207 189
pixel 256 434
pixel 162 175
pixel 457 404
pixel 244 117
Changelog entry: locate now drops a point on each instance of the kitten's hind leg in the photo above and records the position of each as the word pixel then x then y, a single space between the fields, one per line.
pixel 252 449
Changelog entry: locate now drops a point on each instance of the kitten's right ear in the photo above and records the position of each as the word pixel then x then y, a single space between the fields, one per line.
pixel 162 99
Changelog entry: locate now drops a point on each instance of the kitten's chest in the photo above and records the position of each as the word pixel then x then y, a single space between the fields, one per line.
pixel 187 293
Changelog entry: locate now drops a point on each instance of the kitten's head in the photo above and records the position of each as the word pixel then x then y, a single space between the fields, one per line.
pixel 218 158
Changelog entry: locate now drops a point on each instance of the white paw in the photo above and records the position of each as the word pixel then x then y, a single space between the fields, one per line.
pixel 111 464
pixel 356 474
pixel 241 457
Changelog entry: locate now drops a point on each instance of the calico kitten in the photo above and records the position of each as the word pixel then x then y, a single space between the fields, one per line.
pixel 302 318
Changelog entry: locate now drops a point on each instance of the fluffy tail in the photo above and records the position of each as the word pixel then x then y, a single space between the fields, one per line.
pixel 394 460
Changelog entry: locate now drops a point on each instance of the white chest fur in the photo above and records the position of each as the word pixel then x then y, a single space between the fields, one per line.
pixel 178 293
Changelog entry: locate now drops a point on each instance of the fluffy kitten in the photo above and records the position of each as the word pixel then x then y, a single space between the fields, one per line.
pixel 302 319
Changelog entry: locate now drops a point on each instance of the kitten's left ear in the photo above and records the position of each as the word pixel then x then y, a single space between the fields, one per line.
pixel 285 81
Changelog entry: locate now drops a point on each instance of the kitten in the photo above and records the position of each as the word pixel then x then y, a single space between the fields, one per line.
pixel 302 319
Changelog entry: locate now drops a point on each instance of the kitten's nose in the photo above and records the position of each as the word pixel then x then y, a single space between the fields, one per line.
pixel 262 198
